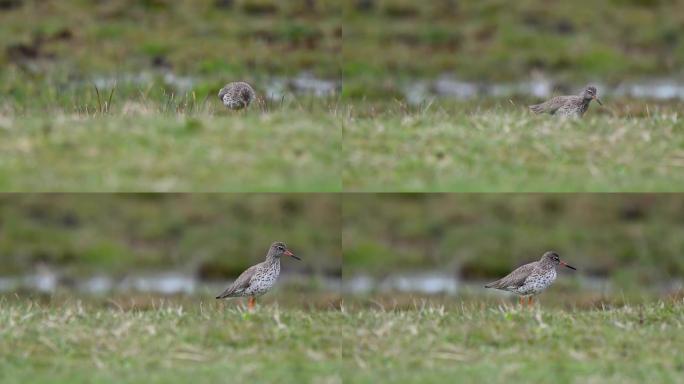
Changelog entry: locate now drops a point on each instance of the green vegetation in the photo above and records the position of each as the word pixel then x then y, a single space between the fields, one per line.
pixel 457 148
pixel 142 150
pixel 204 37
pixel 386 41
pixel 166 342
pixel 121 96
pixel 634 240
pixel 169 342
pixel 631 344
pixel 213 235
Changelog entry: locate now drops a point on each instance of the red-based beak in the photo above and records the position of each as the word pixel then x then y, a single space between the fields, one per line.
pixel 292 255
pixel 567 265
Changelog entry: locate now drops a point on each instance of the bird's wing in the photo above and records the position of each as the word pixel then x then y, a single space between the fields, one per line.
pixel 550 106
pixel 240 284
pixel 514 279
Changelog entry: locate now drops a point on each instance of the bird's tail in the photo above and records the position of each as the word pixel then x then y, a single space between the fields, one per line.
pixel 537 108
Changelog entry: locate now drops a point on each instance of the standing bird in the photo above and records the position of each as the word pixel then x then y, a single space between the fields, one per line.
pixel 572 106
pixel 531 279
pixel 237 95
pixel 258 279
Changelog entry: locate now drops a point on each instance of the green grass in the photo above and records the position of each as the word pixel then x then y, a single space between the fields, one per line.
pixel 169 342
pixel 502 344
pixel 166 343
pixel 288 150
pixel 502 150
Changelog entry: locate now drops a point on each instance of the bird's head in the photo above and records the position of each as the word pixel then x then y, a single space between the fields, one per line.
pixel 279 249
pixel 553 258
pixel 590 93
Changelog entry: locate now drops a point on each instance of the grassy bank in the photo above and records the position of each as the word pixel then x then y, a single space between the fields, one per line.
pixel 505 150
pixel 630 344
pixel 137 149
pixel 166 343
pixel 206 342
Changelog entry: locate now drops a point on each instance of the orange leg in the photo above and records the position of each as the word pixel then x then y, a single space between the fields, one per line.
pixel 529 301
pixel 251 302
pixel 521 300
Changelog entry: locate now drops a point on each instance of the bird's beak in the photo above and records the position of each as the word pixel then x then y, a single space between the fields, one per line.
pixel 567 265
pixel 292 255
pixel 600 103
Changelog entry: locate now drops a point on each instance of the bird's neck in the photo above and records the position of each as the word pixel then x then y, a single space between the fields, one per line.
pixel 272 260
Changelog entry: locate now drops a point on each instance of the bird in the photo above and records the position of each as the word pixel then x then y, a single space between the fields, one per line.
pixel 237 95
pixel 532 278
pixel 260 278
pixel 568 106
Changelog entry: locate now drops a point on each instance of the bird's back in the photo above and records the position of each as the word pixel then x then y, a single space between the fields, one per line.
pixel 514 279
pixel 237 95
pixel 554 104
pixel 242 282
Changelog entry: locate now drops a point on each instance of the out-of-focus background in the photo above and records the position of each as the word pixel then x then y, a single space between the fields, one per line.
pixel 131 87
pixel 169 245
pixel 623 246
pixel 464 50
pixel 54 52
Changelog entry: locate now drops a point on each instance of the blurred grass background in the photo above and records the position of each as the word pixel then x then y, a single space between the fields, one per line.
pixel 386 41
pixel 632 240
pixel 212 236
pixel 53 50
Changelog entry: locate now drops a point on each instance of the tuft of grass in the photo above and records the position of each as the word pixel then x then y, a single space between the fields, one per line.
pixel 501 150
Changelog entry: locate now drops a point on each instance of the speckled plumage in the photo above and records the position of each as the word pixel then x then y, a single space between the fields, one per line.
pixel 531 279
pixel 237 95
pixel 568 106
pixel 260 278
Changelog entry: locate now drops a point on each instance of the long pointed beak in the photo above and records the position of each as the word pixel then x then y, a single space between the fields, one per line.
pixel 567 265
pixel 598 101
pixel 292 255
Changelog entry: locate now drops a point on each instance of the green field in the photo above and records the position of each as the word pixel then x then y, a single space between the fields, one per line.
pixel 169 341
pixel 460 148
pixel 120 96
pixel 503 344
pixel 165 342
pixel 287 150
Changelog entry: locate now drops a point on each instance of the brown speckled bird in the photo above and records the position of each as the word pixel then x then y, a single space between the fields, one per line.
pixel 258 279
pixel 531 279
pixel 237 95
pixel 568 106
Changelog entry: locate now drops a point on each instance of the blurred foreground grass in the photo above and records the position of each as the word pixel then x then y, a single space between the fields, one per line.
pixel 463 148
pixel 135 149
